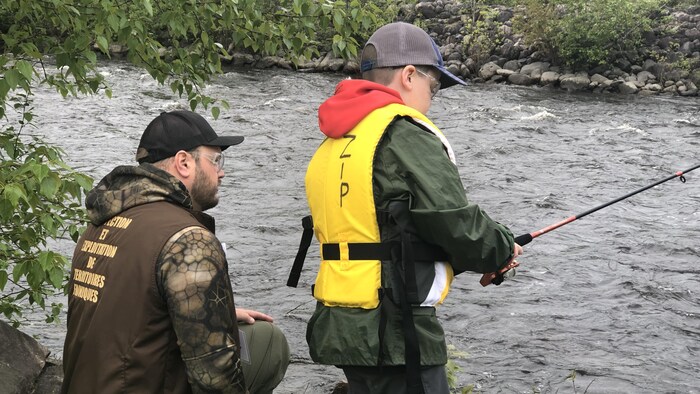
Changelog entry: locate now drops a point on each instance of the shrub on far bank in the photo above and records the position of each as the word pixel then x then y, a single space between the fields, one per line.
pixel 583 34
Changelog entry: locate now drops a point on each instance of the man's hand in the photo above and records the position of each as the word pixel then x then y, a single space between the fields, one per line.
pixel 248 316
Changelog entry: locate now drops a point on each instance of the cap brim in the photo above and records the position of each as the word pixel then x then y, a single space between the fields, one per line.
pixel 448 79
pixel 226 141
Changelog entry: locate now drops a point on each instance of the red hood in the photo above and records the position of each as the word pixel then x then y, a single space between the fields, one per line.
pixel 353 100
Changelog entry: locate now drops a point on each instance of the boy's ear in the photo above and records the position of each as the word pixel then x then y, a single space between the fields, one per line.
pixel 407 74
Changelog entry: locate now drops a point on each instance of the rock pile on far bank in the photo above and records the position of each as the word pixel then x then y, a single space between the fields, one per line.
pixel 514 62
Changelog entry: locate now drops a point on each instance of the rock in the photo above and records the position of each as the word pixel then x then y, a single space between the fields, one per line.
pixel 653 67
pixel 602 81
pixel 471 64
pixel 645 76
pixel 535 70
pixel 282 63
pixel 601 69
pixel 692 33
pixel 574 82
pixel 505 72
pixel 330 63
pixel 22 360
pixel 670 89
pixel 512 65
pixel 351 67
pixel 509 49
pixel 454 56
pixel 628 88
pixel 687 48
pixel 690 89
pixel 340 388
pixel 676 74
pixel 50 380
pixel 465 72
pixel 695 76
pixel 504 15
pixel 539 56
pixel 488 70
pixel 623 64
pixel 242 59
pixel 665 42
pixel 336 64
pixel 497 79
pixel 549 78
pixel 117 49
pixel 266 62
pixel 426 9
pixel 520 79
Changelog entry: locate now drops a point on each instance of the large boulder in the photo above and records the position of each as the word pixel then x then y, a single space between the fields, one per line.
pixel 22 363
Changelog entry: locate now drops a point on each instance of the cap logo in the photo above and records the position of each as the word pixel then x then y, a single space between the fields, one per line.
pixel 368 65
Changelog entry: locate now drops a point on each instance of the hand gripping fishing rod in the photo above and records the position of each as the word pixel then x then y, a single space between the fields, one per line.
pixel 527 238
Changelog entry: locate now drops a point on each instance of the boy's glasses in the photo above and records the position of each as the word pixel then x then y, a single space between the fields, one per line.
pixel 434 86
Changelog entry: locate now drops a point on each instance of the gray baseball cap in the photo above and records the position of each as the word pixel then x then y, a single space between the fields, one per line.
pixel 401 44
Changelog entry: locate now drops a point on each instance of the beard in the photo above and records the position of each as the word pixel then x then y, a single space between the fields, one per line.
pixel 204 192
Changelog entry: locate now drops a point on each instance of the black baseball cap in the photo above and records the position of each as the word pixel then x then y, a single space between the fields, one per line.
pixel 171 132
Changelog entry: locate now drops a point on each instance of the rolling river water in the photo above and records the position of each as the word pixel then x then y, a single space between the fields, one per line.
pixel 611 300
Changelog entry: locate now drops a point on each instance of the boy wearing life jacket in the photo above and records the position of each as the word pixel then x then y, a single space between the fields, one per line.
pixel 390 212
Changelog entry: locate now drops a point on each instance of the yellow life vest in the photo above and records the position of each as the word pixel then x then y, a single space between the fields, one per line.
pixel 340 195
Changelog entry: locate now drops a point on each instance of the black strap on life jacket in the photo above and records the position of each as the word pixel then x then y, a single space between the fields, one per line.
pixel 382 251
pixel 407 293
pixel 307 224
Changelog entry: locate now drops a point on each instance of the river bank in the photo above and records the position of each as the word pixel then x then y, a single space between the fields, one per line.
pixel 669 63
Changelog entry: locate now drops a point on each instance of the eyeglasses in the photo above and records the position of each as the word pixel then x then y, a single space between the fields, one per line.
pixel 435 86
pixel 216 159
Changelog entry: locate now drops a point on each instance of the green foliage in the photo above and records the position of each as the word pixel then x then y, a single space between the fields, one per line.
pixel 584 33
pixel 537 24
pixel 482 30
pixel 453 369
pixel 39 199
pixel 182 43
pixel 353 22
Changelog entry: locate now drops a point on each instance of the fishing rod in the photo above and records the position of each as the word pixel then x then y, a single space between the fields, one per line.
pixel 527 238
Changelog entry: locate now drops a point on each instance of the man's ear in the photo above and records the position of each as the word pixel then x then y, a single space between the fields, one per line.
pixel 183 164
